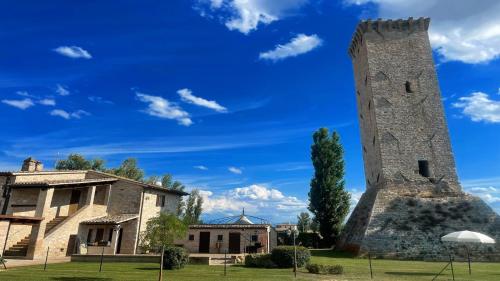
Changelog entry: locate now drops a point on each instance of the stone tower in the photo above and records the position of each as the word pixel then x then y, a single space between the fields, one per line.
pixel 413 196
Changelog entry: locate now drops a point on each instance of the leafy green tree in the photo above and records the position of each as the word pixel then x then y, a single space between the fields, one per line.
pixel 129 169
pixel 303 222
pixel 78 162
pixel 152 180
pixel 177 185
pixel 193 207
pixel 328 199
pixel 314 226
pixel 166 181
pixel 162 230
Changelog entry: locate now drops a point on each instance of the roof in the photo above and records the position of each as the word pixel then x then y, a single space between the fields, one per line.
pixel 63 183
pixel 145 185
pixel 112 219
pixel 228 226
pixel 106 179
pixel 243 220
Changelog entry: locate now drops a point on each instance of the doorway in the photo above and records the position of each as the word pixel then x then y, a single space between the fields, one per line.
pixel 119 241
pixel 204 242
pixel 234 243
pixel 74 201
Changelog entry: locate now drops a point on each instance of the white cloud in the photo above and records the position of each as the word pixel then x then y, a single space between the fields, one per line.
pixel 258 200
pixel 160 107
pixel 235 170
pixel 461 30
pixel 25 94
pixel 187 96
pixel 299 45
pixel 100 100
pixel 201 167
pixel 21 104
pixel 47 101
pixel 479 107
pixel 74 52
pixel 257 192
pixel 246 15
pixel 69 115
pixel 61 90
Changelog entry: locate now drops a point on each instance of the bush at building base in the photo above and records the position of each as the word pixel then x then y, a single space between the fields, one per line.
pixel 175 257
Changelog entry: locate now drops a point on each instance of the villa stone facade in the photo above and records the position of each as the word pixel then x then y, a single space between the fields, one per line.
pixel 71 212
pixel 413 196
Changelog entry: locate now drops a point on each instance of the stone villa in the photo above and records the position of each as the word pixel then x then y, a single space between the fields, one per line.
pixel 71 212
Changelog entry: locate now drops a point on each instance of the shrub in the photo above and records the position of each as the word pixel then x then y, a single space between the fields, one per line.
pixel 309 239
pixel 282 256
pixel 175 257
pixel 259 260
pixel 324 269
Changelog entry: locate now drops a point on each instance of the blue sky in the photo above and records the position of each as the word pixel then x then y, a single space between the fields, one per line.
pixel 225 94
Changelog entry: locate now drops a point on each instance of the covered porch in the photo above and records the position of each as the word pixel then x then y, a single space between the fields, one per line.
pixel 109 235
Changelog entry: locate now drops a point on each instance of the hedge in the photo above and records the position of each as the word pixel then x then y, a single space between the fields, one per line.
pixel 324 269
pixel 283 256
pixel 259 260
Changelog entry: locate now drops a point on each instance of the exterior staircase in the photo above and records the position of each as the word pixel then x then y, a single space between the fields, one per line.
pixel 20 249
pixel 53 223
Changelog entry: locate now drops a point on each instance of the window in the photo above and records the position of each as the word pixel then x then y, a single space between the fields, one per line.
pixel 220 237
pixel 99 234
pixel 160 201
pixel 255 238
pixel 110 236
pixel 423 168
pixel 191 237
pixel 408 87
pixel 89 235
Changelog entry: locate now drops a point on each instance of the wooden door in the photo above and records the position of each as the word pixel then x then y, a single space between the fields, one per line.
pixel 234 243
pixel 204 242
pixel 74 201
pixel 119 241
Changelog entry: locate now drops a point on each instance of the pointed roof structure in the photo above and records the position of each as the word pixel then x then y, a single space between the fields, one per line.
pixel 243 219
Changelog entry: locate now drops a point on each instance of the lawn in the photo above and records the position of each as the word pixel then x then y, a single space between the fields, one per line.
pixel 354 269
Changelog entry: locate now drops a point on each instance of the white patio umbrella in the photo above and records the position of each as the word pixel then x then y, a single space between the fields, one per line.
pixel 468 237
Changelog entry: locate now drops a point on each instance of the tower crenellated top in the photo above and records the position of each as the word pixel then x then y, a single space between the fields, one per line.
pixel 381 26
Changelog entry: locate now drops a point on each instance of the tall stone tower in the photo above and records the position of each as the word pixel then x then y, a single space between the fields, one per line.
pixel 413 196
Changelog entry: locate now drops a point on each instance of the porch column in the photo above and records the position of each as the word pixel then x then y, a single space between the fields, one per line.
pixel 36 247
pixel 90 195
pixel 107 195
pixel 114 238
pixel 4 234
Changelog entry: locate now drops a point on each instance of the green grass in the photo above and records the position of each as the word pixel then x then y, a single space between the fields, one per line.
pixel 354 269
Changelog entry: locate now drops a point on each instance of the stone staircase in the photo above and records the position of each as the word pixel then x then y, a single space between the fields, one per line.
pixel 53 223
pixel 19 249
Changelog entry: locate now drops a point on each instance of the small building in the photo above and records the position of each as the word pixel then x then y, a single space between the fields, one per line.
pixel 72 212
pixel 286 227
pixel 236 235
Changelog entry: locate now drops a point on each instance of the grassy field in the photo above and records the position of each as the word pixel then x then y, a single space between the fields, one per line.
pixel 354 269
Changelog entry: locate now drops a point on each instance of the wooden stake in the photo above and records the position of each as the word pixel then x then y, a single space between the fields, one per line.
pixel 102 256
pixel 46 258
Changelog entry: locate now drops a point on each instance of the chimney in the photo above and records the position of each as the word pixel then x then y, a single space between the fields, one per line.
pixel 31 165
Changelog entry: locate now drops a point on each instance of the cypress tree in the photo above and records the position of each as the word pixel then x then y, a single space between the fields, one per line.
pixel 328 199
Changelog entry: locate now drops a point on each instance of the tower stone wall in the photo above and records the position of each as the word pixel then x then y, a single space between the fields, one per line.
pixel 413 196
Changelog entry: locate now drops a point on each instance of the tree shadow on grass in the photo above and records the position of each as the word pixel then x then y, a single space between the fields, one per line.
pixel 148 268
pixel 80 279
pixel 411 273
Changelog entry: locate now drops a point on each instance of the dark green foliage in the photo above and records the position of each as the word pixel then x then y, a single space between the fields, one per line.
pixel 175 257
pixel 128 169
pixel 282 256
pixel 193 208
pixel 303 222
pixel 78 162
pixel 328 199
pixel 324 269
pixel 162 231
pixel 260 261
pixel 308 239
